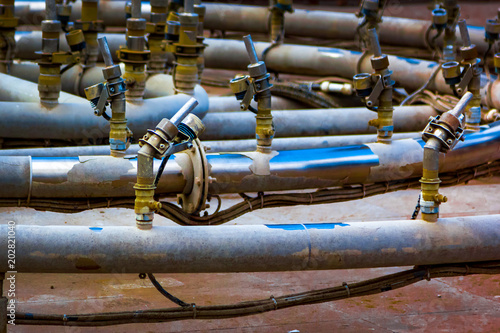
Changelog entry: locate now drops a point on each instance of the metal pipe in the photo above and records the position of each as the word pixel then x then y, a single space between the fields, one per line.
pixel 464 33
pixel 252 55
pixel 313 122
pixel 76 121
pixel 106 53
pixel 256 248
pixel 50 10
pixel 105 177
pixel 184 111
pixel 230 54
pixel 374 43
pixel 136 9
pixel 254 19
pixel 219 146
pixel 188 6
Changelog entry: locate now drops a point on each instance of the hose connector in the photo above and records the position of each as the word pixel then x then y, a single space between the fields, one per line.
pixel 111 91
pixel 376 90
pixel 441 135
pixel 169 137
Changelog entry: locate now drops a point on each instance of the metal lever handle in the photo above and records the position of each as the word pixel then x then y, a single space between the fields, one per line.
pixel 464 33
pixel 184 111
pixel 252 54
pixel 106 53
pixel 462 104
pixel 374 43
pixel 188 6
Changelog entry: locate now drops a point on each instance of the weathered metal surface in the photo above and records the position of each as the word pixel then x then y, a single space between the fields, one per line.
pixel 70 120
pixel 218 146
pixel 296 169
pixel 312 122
pixel 292 247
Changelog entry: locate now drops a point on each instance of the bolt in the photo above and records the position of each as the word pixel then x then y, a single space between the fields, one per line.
pixel 197 181
pixel 162 146
pixel 449 141
pixel 429 129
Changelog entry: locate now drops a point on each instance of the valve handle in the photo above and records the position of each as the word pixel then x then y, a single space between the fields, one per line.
pixel 464 33
pixel 184 111
pixel 252 54
pixel 374 43
pixel 106 53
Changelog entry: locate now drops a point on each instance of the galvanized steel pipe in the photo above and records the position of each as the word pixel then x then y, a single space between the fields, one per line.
pixel 85 177
pixel 313 122
pixel 219 146
pixel 256 248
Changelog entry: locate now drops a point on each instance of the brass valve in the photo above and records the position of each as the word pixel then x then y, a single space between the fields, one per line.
pixel 169 137
pixel 440 135
pixel 492 29
pixel 256 86
pixel 439 18
pixel 469 78
pixel 376 90
pixel 111 91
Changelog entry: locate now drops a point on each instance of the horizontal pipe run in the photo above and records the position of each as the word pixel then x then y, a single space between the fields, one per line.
pixel 76 121
pixel 83 177
pixel 214 146
pixel 256 248
pixel 104 177
pixel 326 24
pixel 254 19
pixel 312 122
pixel 294 59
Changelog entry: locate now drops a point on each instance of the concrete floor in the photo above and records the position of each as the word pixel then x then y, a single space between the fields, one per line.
pixel 459 304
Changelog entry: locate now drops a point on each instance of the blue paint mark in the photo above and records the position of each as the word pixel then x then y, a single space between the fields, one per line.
pixel 409 60
pixel 289 227
pixel 325 225
pixel 432 64
pixel 294 227
pixel 96 229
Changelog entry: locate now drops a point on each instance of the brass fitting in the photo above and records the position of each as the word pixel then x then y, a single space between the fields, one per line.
pixel 453 13
pixel 156 29
pixel 496 63
pixel 156 144
pixel 441 135
pixel 90 26
pixel 8 25
pixel 258 87
pixel 376 90
pixel 187 52
pixel 201 11
pixel 277 19
pixel 172 38
pixel 49 81
pixel 112 90
pixel 134 55
pixel 469 78
pixel 174 7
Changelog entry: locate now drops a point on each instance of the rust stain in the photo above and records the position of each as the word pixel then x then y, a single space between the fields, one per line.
pixel 86 264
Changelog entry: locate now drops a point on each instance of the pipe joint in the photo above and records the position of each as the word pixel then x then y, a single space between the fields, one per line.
pixel 440 136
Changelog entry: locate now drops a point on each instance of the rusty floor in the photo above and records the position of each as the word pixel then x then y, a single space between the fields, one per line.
pixel 462 304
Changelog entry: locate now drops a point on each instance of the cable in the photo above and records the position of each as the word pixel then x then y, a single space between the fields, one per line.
pixel 419 90
pixel 367 287
pixel 160 169
pixel 164 292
